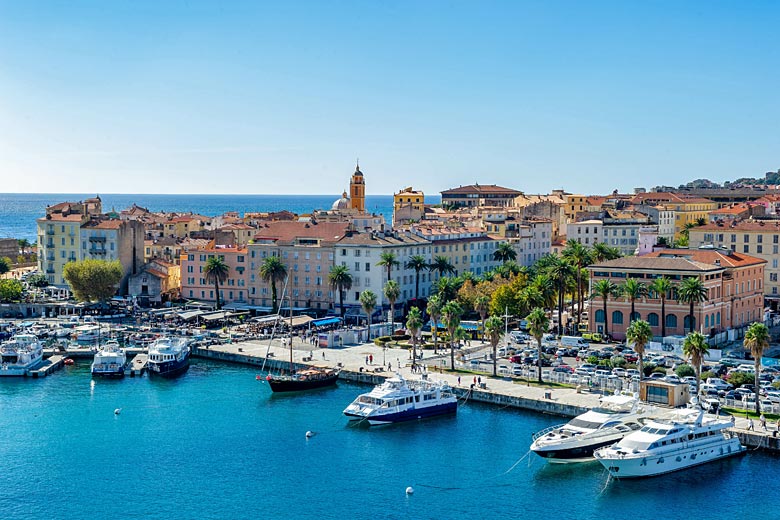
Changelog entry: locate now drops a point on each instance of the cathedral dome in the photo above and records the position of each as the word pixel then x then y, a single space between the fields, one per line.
pixel 342 203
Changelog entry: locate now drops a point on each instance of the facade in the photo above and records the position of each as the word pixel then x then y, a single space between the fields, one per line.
pixel 687 210
pixel 588 232
pixel 478 195
pixel 114 240
pixel 408 205
pixel 9 248
pixel 734 284
pixel 193 280
pixel 759 238
pixel 156 282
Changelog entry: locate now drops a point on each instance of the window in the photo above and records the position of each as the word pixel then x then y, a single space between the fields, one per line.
pixel 357 266
pixel 368 266
pixel 745 238
pixel 617 317
pixel 760 239
pixel 652 319
pixel 687 321
pixel 600 316
pixel 671 321
pixel 759 249
pixel 746 249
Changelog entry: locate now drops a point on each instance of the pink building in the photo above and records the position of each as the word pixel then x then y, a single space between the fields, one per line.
pixel 193 280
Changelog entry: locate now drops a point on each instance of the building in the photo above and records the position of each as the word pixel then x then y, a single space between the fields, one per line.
pixel 408 206
pixel 9 248
pixel 113 239
pixel 687 210
pixel 616 229
pixel 357 190
pixel 194 284
pixel 156 282
pixel 351 209
pixel 759 238
pixel 734 283
pixel 478 195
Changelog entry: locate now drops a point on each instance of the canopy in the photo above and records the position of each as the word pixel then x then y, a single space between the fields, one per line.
pixel 221 315
pixel 190 315
pixel 326 321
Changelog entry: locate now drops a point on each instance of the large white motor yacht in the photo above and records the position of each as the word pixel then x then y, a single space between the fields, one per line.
pixel 687 437
pixel 21 353
pixel 615 417
pixel 110 360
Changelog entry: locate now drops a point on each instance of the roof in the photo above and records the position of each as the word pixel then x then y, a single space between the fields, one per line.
pixel 382 240
pixel 481 189
pixel 682 260
pixel 285 232
pixel 103 224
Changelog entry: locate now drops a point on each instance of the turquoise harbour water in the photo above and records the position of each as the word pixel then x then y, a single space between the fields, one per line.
pixel 216 444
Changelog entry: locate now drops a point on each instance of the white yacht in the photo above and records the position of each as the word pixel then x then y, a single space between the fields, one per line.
pixel 687 437
pixel 21 353
pixel 615 417
pixel 110 360
pixel 397 400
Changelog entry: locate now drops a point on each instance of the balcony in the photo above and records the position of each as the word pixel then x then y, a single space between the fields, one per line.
pixel 97 251
pixel 50 232
pixel 97 239
pixel 50 270
pixel 50 243
pixel 50 258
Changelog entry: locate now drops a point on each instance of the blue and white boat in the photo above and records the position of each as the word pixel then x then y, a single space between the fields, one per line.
pixel 23 352
pixel 110 360
pixel 169 357
pixel 397 400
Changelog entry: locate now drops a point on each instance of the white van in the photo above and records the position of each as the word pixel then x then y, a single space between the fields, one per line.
pixel 573 341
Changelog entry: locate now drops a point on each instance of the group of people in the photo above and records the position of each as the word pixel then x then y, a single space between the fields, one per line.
pixel 762 420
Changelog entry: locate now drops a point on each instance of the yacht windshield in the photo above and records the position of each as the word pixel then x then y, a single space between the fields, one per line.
pixel 633 445
pixel 579 423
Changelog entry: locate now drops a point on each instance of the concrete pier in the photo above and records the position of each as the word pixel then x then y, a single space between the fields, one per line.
pixel 138 365
pixel 49 365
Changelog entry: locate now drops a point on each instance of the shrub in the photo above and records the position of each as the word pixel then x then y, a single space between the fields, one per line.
pixel 708 374
pixel 684 371
pixel 741 378
pixel 593 360
pixel 401 337
pixel 618 361
pixel 659 370
pixel 648 369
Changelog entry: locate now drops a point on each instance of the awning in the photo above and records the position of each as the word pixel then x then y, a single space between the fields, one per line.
pixel 297 321
pixel 265 319
pixel 325 321
pixel 190 315
pixel 214 316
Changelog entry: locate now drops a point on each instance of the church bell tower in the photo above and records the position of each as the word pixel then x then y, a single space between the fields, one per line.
pixel 357 190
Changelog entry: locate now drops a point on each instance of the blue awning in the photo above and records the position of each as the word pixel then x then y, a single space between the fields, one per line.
pixel 467 325
pixel 326 321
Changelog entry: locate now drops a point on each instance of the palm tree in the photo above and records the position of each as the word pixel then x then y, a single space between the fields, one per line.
pixel 509 269
pixel 695 348
pixel 417 263
pixel 632 289
pixel 368 302
pixel 701 221
pixel 580 257
pixel 639 333
pixel 538 324
pixel 447 288
pixel 604 289
pixel 494 327
pixel 561 272
pixel 692 291
pixel 388 260
pixel 24 245
pixel 503 253
pixel 661 287
pixel 413 325
pixel 216 271
pixel 434 308
pixel 546 288
pixel 272 271
pixel 757 339
pixel 481 306
pixel 603 252
pixel 392 291
pixel 450 315
pixel 442 265
pixel 340 280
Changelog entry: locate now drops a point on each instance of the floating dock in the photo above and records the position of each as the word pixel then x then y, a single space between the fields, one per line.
pixel 48 366
pixel 138 365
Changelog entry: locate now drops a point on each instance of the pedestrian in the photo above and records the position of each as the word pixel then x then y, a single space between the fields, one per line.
pixel 479 380
pixel 366 360
pixel 734 420
pixel 750 424
pixel 458 380
pixel 763 421
pixel 371 359
pixel 390 367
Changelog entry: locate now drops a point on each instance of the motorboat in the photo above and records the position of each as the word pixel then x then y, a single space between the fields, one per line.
pixel 23 352
pixel 615 417
pixel 87 333
pixel 110 360
pixel 686 438
pixel 169 357
pixel 396 400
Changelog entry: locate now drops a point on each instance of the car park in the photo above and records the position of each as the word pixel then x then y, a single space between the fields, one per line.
pixel 517 370
pixel 620 372
pixel 672 379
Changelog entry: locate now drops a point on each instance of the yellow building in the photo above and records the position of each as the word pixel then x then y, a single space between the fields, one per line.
pixel 408 197
pixel 574 204
pixel 687 210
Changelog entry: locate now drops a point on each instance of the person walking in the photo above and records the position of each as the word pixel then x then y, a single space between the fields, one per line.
pixel 458 380
pixel 370 359
pixel 750 424
pixel 763 421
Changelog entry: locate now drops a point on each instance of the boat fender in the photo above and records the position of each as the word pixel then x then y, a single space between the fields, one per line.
pixel 410 490
pixel 117 411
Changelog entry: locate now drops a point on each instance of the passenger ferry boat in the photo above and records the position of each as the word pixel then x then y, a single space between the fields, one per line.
pixel 110 360
pixel 687 438
pixel 169 357
pixel 395 400
pixel 615 417
pixel 21 353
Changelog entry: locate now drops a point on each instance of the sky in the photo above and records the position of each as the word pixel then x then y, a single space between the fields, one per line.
pixel 133 96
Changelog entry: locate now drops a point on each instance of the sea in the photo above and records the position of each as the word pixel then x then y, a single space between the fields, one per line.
pixel 217 444
pixel 19 211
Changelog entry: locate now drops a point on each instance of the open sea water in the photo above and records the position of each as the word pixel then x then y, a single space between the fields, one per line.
pixel 18 211
pixel 216 444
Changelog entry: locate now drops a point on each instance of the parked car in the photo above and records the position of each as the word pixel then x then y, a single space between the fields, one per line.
pixel 633 373
pixel 564 368
pixel 620 372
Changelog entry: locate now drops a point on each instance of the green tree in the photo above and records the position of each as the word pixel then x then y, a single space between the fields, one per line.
pixel 417 263
pixel 686 370
pixel 640 334
pixel 546 287
pixel 38 280
pixel 93 280
pixel 388 260
pixel 340 280
pixel 603 252
pixel 504 253
pixel 604 289
pixel 368 302
pixel 450 315
pixel 5 266
pixel 10 290
pixel 392 291
pixel 561 273
pixel 24 245
pixel 435 305
pixel 273 271
pixel 757 340
pixel 692 291
pixel 580 257
pixel 695 348
pixel 494 327
pixel 632 289
pixel 482 306
pixel 413 326
pixel 447 288
pixel 442 266
pixel 216 271
pixel 538 325
pixel 662 287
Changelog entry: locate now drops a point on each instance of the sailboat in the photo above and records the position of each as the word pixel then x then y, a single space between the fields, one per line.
pixel 300 380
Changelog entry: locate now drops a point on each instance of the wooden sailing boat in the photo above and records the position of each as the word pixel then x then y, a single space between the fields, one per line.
pixel 305 379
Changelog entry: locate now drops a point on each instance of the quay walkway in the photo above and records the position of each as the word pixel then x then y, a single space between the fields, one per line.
pixel 356 365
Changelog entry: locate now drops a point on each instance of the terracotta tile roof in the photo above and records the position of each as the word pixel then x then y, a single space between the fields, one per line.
pixel 59 217
pixel 647 263
pixel 381 240
pixel 103 224
pixel 709 256
pixel 481 189
pixel 287 231
pixel 767 226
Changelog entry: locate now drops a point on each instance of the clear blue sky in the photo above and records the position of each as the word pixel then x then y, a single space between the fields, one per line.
pixel 252 97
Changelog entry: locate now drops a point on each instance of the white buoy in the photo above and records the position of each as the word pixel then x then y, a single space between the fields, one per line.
pixel 309 434
pixel 117 411
pixel 410 490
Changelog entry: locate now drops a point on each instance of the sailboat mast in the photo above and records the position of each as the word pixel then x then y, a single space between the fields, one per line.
pixel 289 296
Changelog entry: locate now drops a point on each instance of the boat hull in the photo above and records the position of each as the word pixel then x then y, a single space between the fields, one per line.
pixel 293 385
pixel 108 374
pixel 582 453
pixel 170 368
pixel 407 415
pixel 660 464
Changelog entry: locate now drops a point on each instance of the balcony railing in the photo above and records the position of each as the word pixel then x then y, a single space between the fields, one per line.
pixel 97 239
pixel 50 243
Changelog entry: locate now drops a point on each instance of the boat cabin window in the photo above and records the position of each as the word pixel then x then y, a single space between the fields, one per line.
pixel 635 445
pixel 579 423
